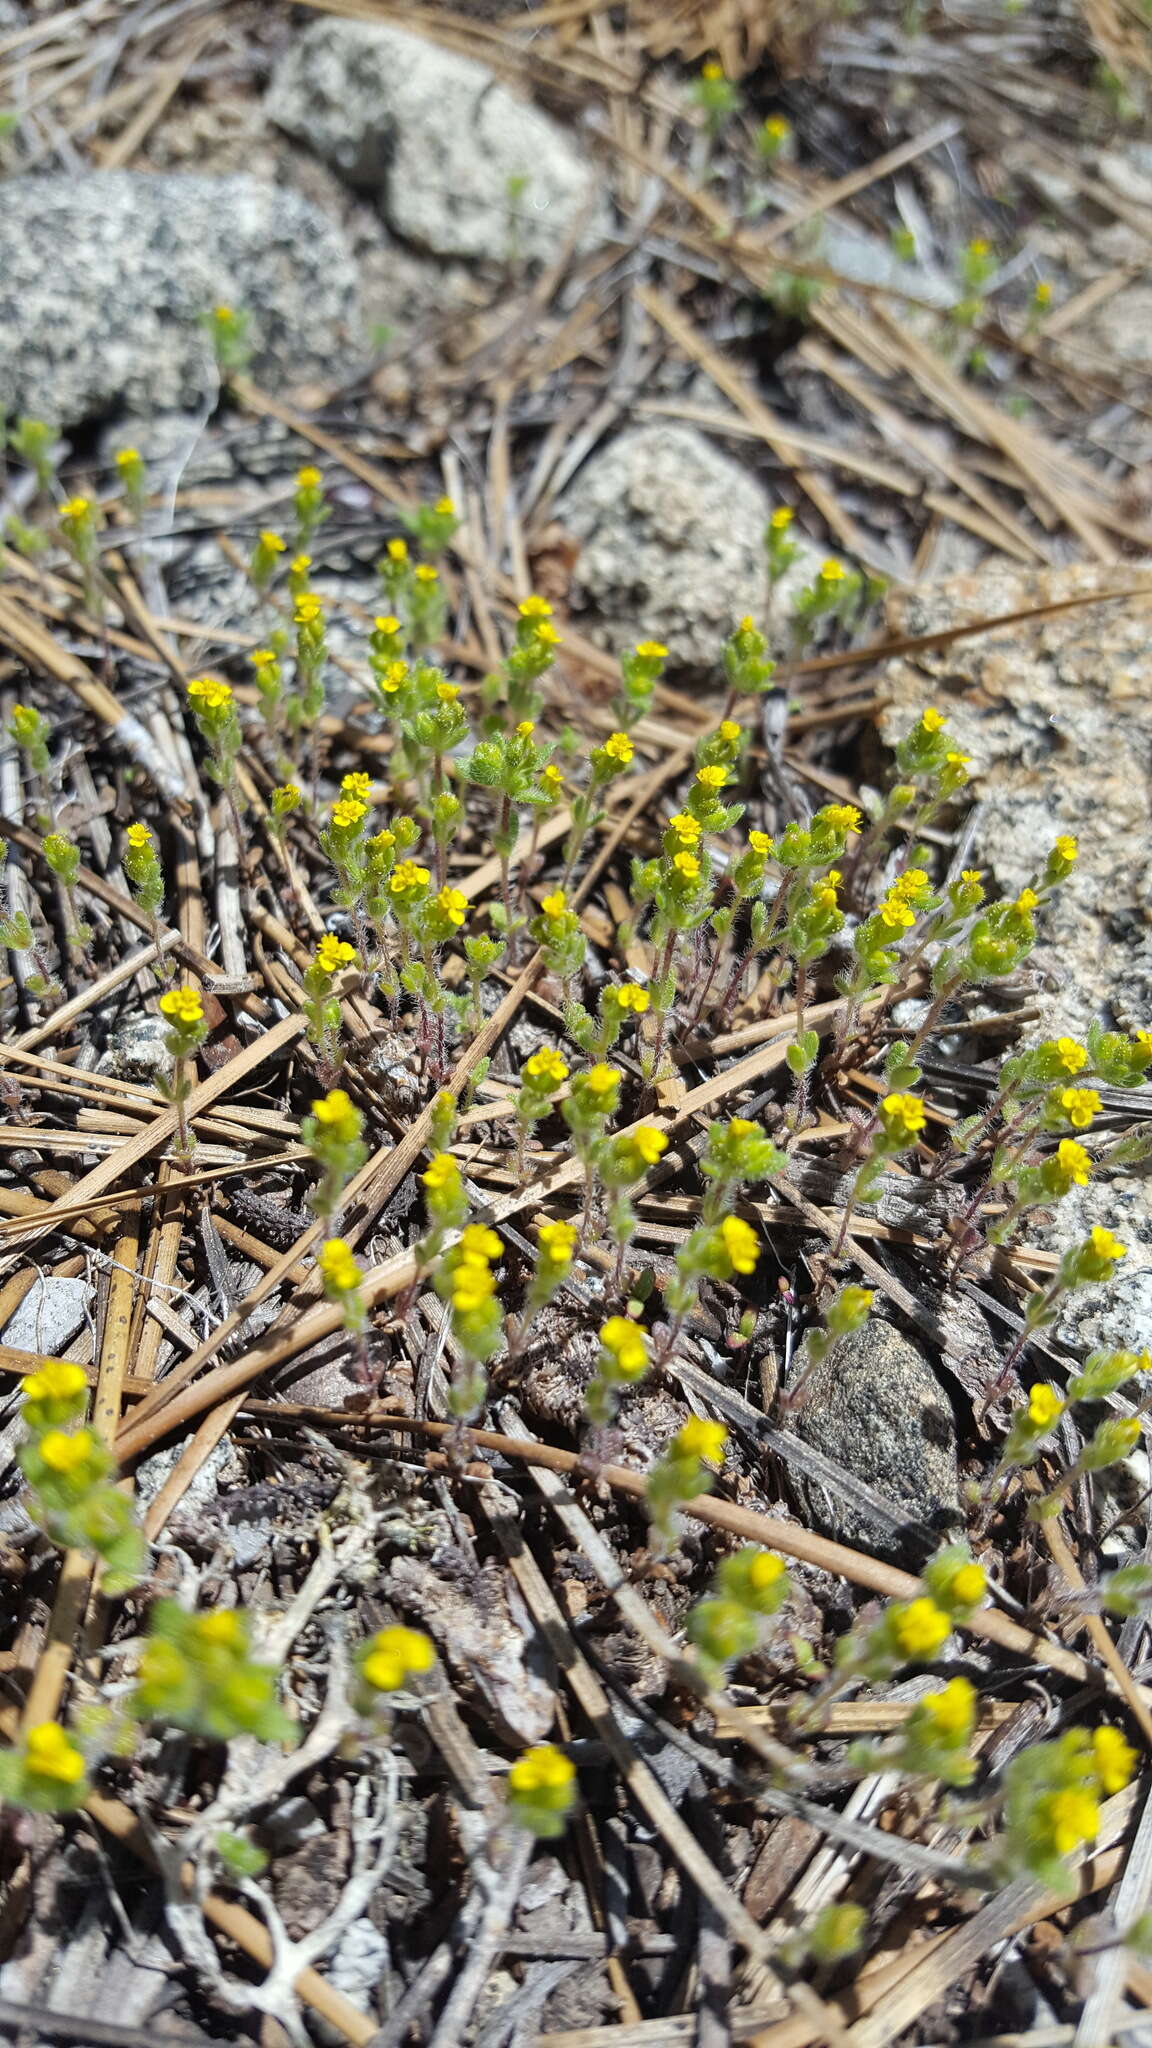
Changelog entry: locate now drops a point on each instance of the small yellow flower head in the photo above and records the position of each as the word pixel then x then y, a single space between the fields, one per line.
pixel 650 1144
pixel 473 1285
pixel 55 1380
pixel 1067 847
pixel 223 1629
pixel 630 997
pixel 902 1116
pixel 554 905
pixel 308 478
pixel 526 728
pixel 446 507
pixel 551 780
pixel 601 1080
pixel 685 827
pixel 740 1243
pixel 357 786
pixel 557 1242
pixel 394 677
pixel 336 1110
pixel 1027 901
pixel 309 608
pixel 1074 1162
pixel 542 1770
pixel 842 817
pixel 919 1628
pixel 49 1754
pixel 932 720
pixel 447 693
pixel 687 866
pixel 651 650
pixel 272 543
pixel 627 1346
pixel 441 1173
pixel 338 1268
pixel 1105 1245
pixel 619 748
pixel 425 573
pixel 454 905
pixel 760 842
pixel 1070 1055
pixel 332 954
pixel 712 71
pixel 348 812
pixel 729 731
pixel 1080 1105
pixel 407 875
pixel 208 693
pixel 397 551
pixel 76 508
pixel 952 1710
pixel 63 1452
pixel 832 571
pixel 783 516
pixel 183 1005
pixel 1042 293
pixel 968 1585
pixel 478 1242
pixel 138 835
pixel 1114 1758
pixel 1071 1817
pixel 712 777
pixel 546 1068
pixel 387 624
pixel 127 458
pixel 534 608
pixel 394 1655
pixel 698 1438
pixel 824 893
pixel 1044 1406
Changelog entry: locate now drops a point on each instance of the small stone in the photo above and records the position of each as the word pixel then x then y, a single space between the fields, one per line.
pixel 104 281
pixel 876 1408
pixel 457 163
pixel 672 536
pixel 50 1315
pixel 136 1050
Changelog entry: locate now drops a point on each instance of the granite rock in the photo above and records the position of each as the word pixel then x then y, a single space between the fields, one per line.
pixel 457 163
pixel 104 279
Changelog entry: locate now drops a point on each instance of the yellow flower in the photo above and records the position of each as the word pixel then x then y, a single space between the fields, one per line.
pixel 629 997
pixel 919 1627
pixel 547 636
pixel 395 1654
pixel 394 677
pixel 1027 901
pixel 618 747
pixel 299 565
pixel 729 731
pixel 1070 1055
pixel 968 1585
pixel 824 893
pixel 263 657
pixel 209 693
pixel 478 1242
pixel 535 608
pixel 542 1769
pixel 440 1173
pixel 526 728
pixel 1080 1105
pixel 1044 1406
pixel 127 458
pixel 952 1710
pixel 687 865
pixel 357 786
pixel 1073 1161
pixel 747 623
pixel 332 954
pixel 712 71
pixel 698 1438
pixel 55 1380
pixel 454 905
pixel 712 777
pixel 1105 1245
pixel 64 1453
pixel 473 1284
pixel 627 1346
pixel 49 1754
pixel 896 914
pixel 348 813
pixel 76 508
pixel 1072 1817
pixel 551 779
pixel 843 817
pixel 932 720
pixel 388 624
pixel 650 1143
pixel 1115 1759
pixel 547 1066
pixel 223 1629
pixel 272 543
pixel 309 608
pixel 760 842
pixel 832 571
pixel 1067 847
pixel 740 1243
pixel 408 875
pixel 183 1005
pixel 685 827
pixel 557 1241
pixel 308 478
pixel 425 573
pixel 651 650
pixel 765 1570
pixel 447 693
pixel 1042 293
pixel 783 516
pixel 138 835
pixel 601 1079
pixel 338 1267
pixel 554 905
pixel 397 551
pixel 903 1115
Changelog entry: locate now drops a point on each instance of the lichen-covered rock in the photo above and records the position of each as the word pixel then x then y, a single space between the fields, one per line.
pixel 104 279
pixel 876 1408
pixel 457 163
pixel 672 535
pixel 1056 714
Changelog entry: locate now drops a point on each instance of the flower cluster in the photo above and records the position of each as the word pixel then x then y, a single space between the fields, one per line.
pixel 71 1476
pixel 197 1672
pixel 728 1623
